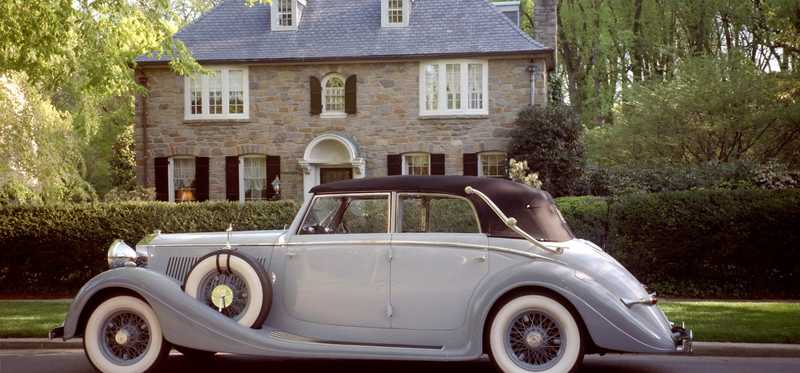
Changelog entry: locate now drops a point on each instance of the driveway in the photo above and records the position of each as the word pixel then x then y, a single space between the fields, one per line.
pixel 73 361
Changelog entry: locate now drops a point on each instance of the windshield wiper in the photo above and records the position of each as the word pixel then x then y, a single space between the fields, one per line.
pixel 511 222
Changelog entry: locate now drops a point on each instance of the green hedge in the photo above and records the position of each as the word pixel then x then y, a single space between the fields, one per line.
pixel 727 244
pixel 54 249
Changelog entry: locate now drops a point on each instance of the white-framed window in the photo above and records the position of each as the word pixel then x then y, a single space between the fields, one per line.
pixel 253 178
pixel 222 94
pixel 333 100
pixel 417 164
pixel 394 13
pixel 492 164
pixel 285 14
pixel 182 182
pixel 454 87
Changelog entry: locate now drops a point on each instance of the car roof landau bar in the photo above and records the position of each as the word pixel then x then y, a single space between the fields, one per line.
pixel 511 222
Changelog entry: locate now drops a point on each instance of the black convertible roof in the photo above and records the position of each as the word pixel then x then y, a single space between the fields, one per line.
pixel 512 197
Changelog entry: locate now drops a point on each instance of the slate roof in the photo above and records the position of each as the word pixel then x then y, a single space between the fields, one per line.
pixel 351 30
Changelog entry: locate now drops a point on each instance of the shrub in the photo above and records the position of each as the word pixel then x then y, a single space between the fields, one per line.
pixel 587 217
pixel 550 140
pixel 55 249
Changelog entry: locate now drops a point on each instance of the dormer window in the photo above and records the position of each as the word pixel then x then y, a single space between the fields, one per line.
pixel 286 14
pixel 394 13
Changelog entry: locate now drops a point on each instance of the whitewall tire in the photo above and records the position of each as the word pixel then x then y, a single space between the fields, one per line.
pixel 535 333
pixel 232 284
pixel 123 335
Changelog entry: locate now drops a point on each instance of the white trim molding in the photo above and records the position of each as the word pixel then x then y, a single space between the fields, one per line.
pixel 311 165
pixel 460 102
pixel 223 73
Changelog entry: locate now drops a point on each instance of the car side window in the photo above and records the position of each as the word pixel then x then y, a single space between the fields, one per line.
pixel 347 215
pixel 436 214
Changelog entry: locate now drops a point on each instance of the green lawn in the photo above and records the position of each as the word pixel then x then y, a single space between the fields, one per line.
pixel 718 321
pixel 754 322
pixel 30 318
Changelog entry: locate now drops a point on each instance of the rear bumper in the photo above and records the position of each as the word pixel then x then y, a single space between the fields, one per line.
pixel 683 339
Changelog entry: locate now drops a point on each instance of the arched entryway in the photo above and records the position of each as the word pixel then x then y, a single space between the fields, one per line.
pixel 331 157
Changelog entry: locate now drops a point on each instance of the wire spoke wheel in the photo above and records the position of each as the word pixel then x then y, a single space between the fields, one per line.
pixel 125 337
pixel 534 341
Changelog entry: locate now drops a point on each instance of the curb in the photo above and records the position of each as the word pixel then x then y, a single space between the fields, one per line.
pixel 764 350
pixel 39 344
pixel 725 349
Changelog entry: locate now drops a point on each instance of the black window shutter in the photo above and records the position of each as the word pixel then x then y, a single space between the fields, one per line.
pixel 351 95
pixel 316 96
pixel 162 178
pixel 394 164
pixel 232 178
pixel 201 178
pixel 470 164
pixel 437 164
pixel 273 171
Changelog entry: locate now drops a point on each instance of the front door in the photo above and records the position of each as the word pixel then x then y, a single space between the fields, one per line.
pixel 337 269
pixel 439 256
pixel 329 175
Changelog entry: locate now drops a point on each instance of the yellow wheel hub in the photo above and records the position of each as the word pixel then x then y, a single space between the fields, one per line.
pixel 222 296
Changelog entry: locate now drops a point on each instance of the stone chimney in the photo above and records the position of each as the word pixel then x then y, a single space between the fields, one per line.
pixel 545 22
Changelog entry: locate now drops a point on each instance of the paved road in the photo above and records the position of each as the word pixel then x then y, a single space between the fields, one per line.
pixel 73 361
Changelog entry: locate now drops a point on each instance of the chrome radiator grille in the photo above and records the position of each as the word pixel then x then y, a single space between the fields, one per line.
pixel 179 266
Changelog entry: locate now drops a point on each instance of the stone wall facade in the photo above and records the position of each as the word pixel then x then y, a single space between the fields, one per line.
pixel 280 124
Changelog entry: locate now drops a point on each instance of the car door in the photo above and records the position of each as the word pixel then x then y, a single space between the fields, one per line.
pixel 439 256
pixel 337 268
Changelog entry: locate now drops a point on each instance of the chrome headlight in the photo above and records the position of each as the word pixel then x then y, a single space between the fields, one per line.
pixel 121 255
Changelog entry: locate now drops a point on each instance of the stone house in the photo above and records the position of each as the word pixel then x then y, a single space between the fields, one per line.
pixel 304 92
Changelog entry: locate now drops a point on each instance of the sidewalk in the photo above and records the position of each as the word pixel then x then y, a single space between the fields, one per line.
pixel 700 348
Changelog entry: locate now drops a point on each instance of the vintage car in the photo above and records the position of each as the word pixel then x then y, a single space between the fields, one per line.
pixel 438 268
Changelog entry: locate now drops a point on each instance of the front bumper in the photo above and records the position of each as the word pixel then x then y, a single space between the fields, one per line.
pixel 683 338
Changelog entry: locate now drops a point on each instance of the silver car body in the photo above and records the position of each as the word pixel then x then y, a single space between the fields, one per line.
pixel 424 296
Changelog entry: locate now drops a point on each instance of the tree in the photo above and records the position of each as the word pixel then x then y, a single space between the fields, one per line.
pixel 549 139
pixel 715 109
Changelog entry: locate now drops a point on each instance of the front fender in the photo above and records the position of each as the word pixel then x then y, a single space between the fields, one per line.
pixel 611 324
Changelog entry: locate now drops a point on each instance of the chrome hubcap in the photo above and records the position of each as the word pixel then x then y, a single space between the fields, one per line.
pixel 534 341
pixel 225 292
pixel 124 337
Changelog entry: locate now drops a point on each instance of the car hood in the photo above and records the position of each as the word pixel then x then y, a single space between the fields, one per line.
pixel 213 238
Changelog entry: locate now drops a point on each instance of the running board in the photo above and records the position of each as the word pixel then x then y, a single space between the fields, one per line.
pixel 288 337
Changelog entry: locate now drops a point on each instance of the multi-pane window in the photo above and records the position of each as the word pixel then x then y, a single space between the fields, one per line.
pixel 417 164
pixel 236 92
pixel 475 79
pixel 454 88
pixel 436 214
pixel 183 179
pixel 254 177
pixel 334 95
pixel 221 94
pixel 492 164
pixel 395 9
pixel 285 13
pixel 215 93
pixel 432 87
pixel 196 96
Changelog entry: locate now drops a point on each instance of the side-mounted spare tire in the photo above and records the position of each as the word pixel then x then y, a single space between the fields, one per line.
pixel 233 284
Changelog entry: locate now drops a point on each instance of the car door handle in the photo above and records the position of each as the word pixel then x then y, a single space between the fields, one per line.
pixel 480 259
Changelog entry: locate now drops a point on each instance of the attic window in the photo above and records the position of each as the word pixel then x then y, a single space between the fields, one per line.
pixel 394 13
pixel 285 13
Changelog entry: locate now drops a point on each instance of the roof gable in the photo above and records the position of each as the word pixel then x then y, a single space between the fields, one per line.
pixel 351 29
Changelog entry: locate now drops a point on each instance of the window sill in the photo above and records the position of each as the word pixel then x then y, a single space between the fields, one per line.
pixel 453 116
pixel 216 122
pixel 333 115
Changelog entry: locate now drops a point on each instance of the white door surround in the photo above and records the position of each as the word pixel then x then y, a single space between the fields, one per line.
pixel 330 150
